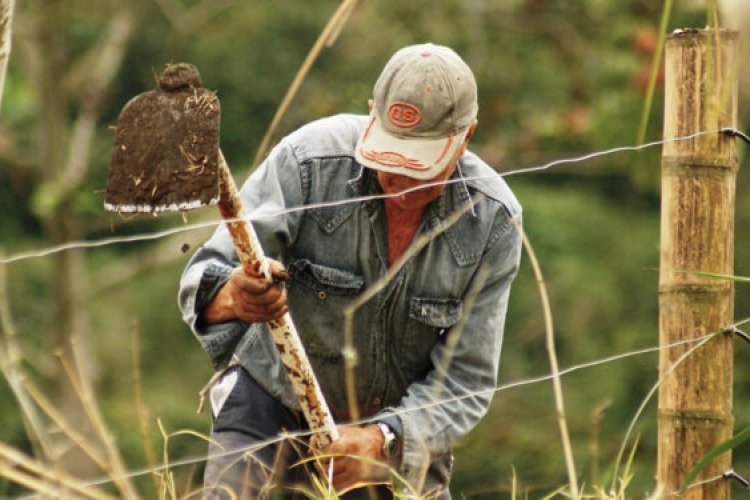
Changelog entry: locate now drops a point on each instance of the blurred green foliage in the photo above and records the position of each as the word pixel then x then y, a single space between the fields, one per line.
pixel 556 79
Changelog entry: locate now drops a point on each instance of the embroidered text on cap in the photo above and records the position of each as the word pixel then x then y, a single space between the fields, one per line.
pixel 404 115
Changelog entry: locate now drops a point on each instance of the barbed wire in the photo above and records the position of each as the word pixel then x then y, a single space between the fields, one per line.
pixel 704 482
pixel 728 474
pixel 156 235
pixel 500 388
pixel 504 387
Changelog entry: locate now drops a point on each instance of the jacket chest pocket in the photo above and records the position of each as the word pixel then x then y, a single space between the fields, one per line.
pixel 318 296
pixel 429 320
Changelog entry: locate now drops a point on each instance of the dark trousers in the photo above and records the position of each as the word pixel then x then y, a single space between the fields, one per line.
pixel 240 459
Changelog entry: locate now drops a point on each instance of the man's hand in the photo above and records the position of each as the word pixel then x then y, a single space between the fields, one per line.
pixel 249 298
pixel 358 459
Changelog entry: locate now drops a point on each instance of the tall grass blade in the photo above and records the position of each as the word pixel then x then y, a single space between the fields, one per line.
pixel 728 277
pixel 326 38
pixel 717 450
pixel 556 384
pixel 655 65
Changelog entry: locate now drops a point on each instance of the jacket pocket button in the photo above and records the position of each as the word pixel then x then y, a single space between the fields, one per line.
pixel 322 295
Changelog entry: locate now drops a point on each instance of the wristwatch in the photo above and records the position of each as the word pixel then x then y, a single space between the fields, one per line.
pixel 390 441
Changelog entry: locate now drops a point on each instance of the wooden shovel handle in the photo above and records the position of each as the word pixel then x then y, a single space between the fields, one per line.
pixel 285 336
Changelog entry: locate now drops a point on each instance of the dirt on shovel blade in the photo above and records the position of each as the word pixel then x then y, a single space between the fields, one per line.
pixel 165 153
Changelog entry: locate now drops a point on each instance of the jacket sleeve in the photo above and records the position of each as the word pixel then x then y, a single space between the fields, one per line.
pixel 266 204
pixel 456 393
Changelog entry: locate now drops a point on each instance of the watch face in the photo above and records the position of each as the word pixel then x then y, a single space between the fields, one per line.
pixel 389 440
pixel 391 447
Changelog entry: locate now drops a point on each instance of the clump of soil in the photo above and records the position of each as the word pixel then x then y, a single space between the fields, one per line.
pixel 179 76
pixel 166 149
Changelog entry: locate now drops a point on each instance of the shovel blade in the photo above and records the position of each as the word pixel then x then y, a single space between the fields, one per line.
pixel 165 154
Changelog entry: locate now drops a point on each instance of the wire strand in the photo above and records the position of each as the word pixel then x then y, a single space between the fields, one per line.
pixel 512 385
pixel 87 244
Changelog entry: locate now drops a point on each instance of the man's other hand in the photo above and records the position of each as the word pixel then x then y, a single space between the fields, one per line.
pixel 358 458
pixel 249 298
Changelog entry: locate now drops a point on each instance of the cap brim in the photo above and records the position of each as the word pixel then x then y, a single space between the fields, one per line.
pixel 412 157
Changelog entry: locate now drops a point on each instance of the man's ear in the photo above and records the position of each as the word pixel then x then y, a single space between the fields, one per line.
pixel 370 104
pixel 470 133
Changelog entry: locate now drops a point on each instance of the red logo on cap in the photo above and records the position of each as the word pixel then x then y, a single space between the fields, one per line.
pixel 404 115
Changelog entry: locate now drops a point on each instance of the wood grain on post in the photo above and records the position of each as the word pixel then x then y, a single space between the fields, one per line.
pixel 697 234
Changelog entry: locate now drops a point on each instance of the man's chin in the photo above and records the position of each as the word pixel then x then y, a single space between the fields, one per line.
pixel 407 202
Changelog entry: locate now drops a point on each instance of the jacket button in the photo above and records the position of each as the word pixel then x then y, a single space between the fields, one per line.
pixel 376 401
pixel 322 295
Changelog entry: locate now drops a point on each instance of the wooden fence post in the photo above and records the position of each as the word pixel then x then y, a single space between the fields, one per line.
pixel 697 234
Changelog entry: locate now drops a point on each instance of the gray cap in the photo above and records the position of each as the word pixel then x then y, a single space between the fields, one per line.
pixel 425 102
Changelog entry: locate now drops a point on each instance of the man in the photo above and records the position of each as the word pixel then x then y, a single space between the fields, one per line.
pixel 427 343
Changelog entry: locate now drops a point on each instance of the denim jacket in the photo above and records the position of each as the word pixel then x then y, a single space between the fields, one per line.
pixel 427 344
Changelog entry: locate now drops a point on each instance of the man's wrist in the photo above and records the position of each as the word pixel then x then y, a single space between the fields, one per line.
pixel 220 308
pixel 378 439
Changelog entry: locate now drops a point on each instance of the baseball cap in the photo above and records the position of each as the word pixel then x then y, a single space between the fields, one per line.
pixel 425 102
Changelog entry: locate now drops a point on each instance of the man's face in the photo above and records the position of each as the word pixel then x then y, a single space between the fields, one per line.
pixel 418 199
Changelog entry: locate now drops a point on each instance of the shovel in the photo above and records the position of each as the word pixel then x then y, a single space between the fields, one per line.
pixel 166 157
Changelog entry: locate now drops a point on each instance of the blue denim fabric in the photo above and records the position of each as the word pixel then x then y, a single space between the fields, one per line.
pixel 432 334
pixel 252 471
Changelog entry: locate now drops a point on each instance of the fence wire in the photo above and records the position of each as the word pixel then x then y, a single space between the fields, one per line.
pixel 303 435
pixel 156 235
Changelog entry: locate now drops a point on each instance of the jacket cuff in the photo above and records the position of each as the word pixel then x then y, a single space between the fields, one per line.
pixel 394 423
pixel 218 340
pixel 414 455
pixel 213 278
